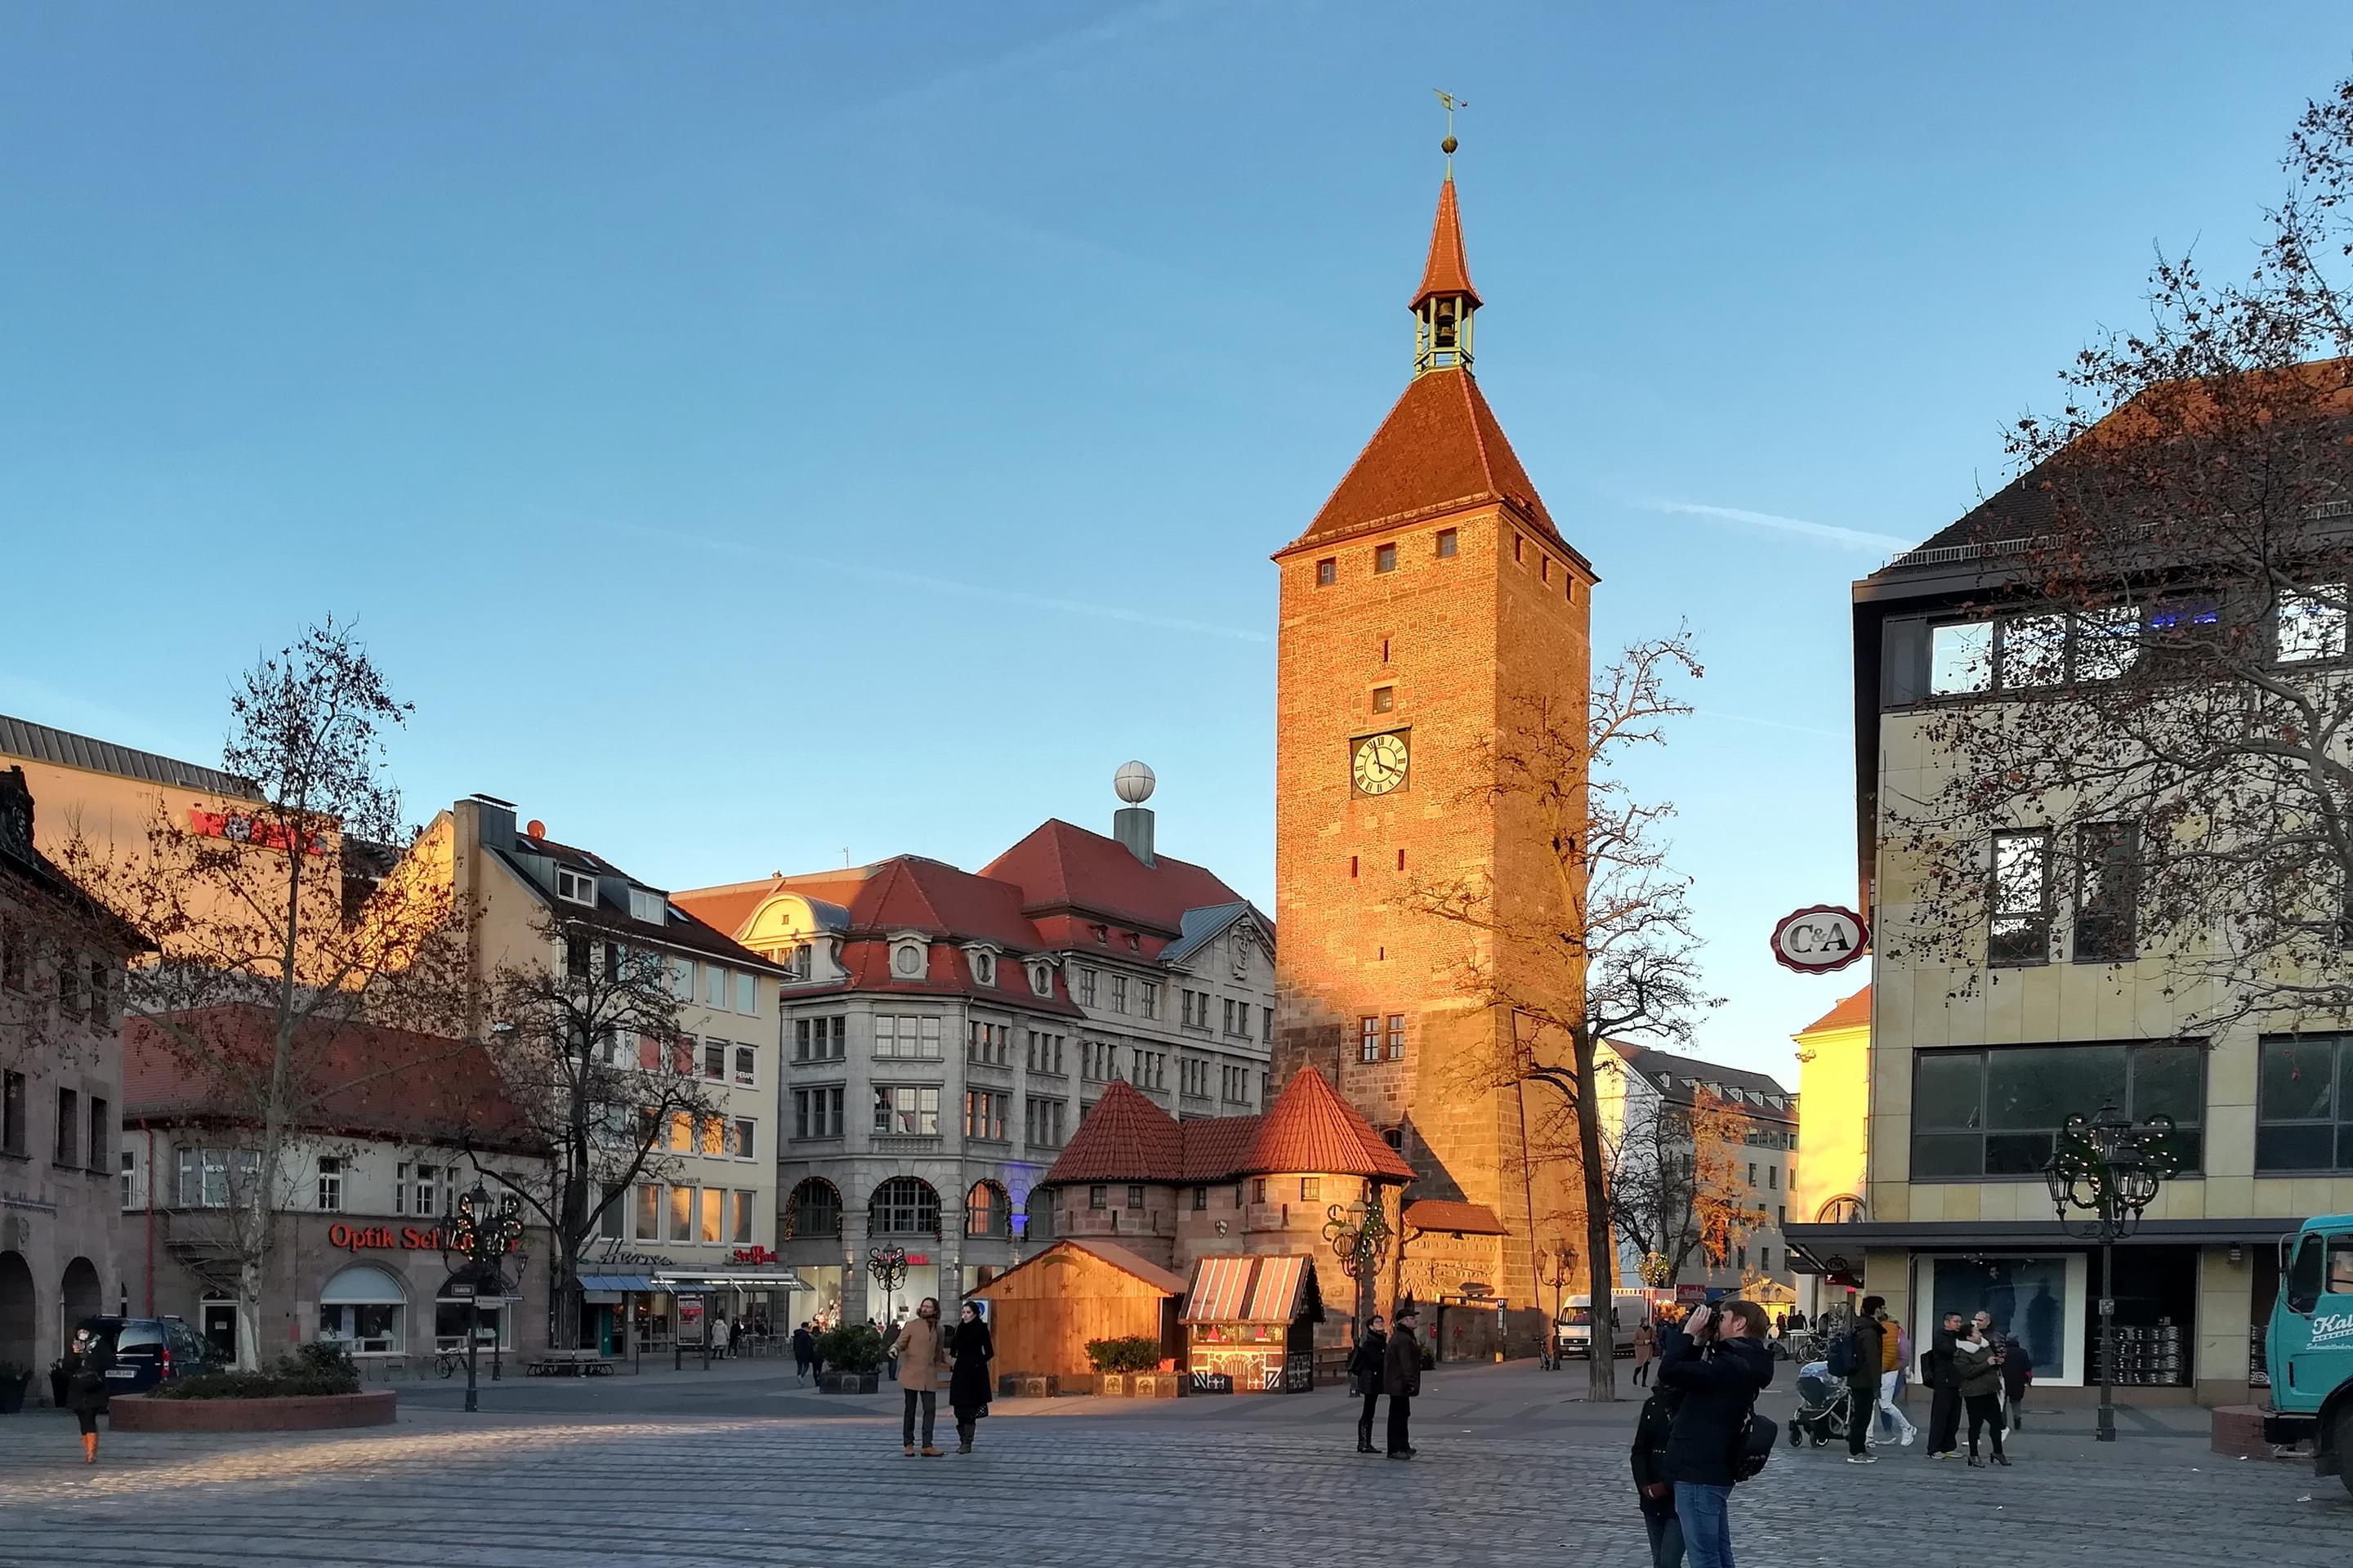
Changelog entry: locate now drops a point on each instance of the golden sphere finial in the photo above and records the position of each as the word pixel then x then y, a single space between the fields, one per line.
pixel 1448 146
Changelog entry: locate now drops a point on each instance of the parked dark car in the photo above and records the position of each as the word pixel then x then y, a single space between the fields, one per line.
pixel 149 1351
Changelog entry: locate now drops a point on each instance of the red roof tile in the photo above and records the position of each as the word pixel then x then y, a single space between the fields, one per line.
pixel 1853 1012
pixel 1440 450
pixel 1462 1219
pixel 1448 272
pixel 1125 1137
pixel 360 1079
pixel 1061 868
pixel 1216 1148
pixel 1311 1128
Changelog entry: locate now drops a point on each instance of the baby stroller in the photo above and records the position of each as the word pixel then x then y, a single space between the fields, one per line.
pixel 1825 1405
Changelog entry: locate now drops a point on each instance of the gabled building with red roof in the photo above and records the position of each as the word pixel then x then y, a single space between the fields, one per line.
pixel 946 1032
pixel 396 1126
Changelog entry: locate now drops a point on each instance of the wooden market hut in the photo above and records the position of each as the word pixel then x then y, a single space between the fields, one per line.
pixel 1250 1322
pixel 1044 1309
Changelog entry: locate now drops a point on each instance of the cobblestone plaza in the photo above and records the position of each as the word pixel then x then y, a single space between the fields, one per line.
pixel 746 1468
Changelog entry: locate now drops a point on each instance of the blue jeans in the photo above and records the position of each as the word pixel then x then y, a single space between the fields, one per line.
pixel 1706 1516
pixel 1666 1541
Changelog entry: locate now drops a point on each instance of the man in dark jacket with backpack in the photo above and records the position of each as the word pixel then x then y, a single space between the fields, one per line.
pixel 1861 1365
pixel 1719 1362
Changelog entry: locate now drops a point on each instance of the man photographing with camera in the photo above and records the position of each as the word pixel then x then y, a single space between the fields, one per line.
pixel 1719 1360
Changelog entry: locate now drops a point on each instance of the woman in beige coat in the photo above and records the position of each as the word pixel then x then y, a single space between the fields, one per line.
pixel 921 1353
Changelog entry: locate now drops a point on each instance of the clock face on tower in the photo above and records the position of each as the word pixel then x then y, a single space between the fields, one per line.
pixel 1378 764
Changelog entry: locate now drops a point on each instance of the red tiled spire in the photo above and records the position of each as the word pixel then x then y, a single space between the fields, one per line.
pixel 1311 1128
pixel 1125 1137
pixel 1448 271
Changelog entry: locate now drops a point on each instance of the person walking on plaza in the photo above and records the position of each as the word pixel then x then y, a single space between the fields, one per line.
pixel 1861 1372
pixel 1653 1492
pixel 803 1351
pixel 2016 1373
pixel 1894 1348
pixel 1977 1363
pixel 1401 1379
pixel 1646 1350
pixel 917 1356
pixel 1719 1362
pixel 1945 1405
pixel 718 1333
pixel 971 1348
pixel 86 1365
pixel 1365 1375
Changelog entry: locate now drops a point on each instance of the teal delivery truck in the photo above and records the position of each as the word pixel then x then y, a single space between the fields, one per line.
pixel 2309 1345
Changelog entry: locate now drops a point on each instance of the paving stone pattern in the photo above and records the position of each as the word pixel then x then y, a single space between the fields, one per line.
pixel 1510 1473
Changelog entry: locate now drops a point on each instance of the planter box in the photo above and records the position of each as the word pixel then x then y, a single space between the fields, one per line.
pixel 1155 1385
pixel 848 1382
pixel 310 1412
pixel 1074 1383
pixel 1114 1386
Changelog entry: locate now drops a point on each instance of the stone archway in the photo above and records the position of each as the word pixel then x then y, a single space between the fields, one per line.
pixel 17 1313
pixel 80 1294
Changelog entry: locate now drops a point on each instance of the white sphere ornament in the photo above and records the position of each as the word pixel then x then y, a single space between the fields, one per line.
pixel 1134 781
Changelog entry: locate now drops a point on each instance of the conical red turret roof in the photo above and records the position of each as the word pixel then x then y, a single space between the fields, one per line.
pixel 1311 1128
pixel 1448 271
pixel 1125 1137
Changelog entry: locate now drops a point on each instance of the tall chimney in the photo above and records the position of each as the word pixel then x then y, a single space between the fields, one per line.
pixel 1131 823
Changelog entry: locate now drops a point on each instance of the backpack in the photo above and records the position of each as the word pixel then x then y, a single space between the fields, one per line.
pixel 1841 1358
pixel 1752 1444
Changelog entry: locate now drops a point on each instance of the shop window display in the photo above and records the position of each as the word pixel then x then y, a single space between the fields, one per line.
pixel 365 1308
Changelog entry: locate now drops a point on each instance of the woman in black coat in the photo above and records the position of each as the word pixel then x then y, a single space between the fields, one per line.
pixel 970 1384
pixel 86 1365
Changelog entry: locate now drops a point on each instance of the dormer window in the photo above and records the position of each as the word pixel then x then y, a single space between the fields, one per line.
pixel 649 907
pixel 1042 978
pixel 1102 936
pixel 576 886
pixel 984 966
pixel 907 960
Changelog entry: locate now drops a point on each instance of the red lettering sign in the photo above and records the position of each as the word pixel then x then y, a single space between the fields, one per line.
pixel 363 1238
pixel 239 828
pixel 754 1255
pixel 918 1259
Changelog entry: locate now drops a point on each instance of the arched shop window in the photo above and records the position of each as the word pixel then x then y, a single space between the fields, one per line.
pixel 904 1206
pixel 988 1211
pixel 365 1308
pixel 814 1210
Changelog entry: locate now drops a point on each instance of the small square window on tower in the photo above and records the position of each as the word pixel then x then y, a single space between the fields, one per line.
pixel 1519 549
pixel 1383 699
pixel 1327 572
pixel 1385 557
pixel 1448 542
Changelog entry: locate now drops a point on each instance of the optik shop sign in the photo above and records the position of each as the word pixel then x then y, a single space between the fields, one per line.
pixel 383 1239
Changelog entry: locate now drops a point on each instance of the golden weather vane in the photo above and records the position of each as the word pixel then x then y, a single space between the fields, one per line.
pixel 1453 103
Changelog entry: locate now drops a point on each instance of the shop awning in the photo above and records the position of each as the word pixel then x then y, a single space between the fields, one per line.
pixel 615 1282
pixel 1263 1290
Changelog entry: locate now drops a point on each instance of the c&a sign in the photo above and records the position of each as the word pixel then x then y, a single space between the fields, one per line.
pixel 383 1239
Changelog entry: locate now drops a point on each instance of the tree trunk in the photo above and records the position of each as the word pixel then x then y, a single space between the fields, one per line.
pixel 1601 1343
pixel 248 1313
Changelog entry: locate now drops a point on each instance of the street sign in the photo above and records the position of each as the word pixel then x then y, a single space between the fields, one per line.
pixel 2107 1306
pixel 1818 938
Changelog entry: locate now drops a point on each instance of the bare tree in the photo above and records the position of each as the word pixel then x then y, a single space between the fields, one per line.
pixel 1674 1183
pixel 2163 614
pixel 269 944
pixel 589 1045
pixel 1607 953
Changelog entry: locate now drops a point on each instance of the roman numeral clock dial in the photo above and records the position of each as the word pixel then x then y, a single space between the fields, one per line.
pixel 1378 764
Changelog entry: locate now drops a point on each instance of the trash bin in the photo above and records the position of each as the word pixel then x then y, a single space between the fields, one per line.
pixel 58 1383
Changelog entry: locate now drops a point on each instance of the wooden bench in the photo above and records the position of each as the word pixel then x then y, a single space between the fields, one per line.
pixel 568 1363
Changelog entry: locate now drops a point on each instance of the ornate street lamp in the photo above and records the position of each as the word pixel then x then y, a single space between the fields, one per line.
pixel 888 1264
pixel 482 1233
pixel 1359 1234
pixel 1556 1268
pixel 2102 1176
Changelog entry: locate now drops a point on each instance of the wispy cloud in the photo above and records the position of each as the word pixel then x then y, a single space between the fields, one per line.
pixel 927 583
pixel 1828 533
pixel 1769 723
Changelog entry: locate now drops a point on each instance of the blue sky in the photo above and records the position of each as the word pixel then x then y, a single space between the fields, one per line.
pixel 754 432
